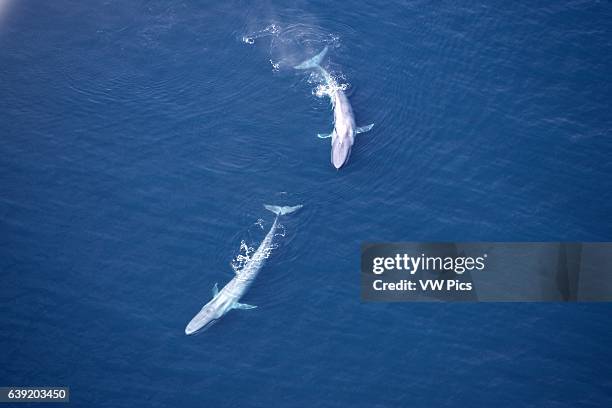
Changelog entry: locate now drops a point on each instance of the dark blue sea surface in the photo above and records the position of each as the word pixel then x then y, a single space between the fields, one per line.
pixel 140 140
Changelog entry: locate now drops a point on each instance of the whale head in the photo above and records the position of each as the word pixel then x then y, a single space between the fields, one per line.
pixel 198 329
pixel 203 320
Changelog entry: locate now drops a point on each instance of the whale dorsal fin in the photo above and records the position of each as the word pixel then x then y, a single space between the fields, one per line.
pixel 215 291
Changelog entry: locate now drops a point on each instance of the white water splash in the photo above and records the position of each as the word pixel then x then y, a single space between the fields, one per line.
pixel 272 29
pixel 275 66
pixel 334 40
pixel 248 254
pixel 280 232
pixel 243 257
pixel 327 89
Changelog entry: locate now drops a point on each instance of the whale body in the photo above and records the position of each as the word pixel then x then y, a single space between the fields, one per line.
pixel 345 129
pixel 228 298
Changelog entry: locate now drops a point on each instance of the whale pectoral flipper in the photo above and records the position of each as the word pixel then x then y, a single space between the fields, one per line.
pixel 363 129
pixel 324 136
pixel 215 291
pixel 243 306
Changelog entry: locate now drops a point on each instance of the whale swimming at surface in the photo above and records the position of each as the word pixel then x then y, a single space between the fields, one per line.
pixel 345 129
pixel 342 140
pixel 227 298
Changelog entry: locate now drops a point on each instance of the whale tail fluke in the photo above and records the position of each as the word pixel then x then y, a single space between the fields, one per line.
pixel 278 210
pixel 314 62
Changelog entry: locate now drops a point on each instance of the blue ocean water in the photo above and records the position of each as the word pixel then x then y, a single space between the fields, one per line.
pixel 141 139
